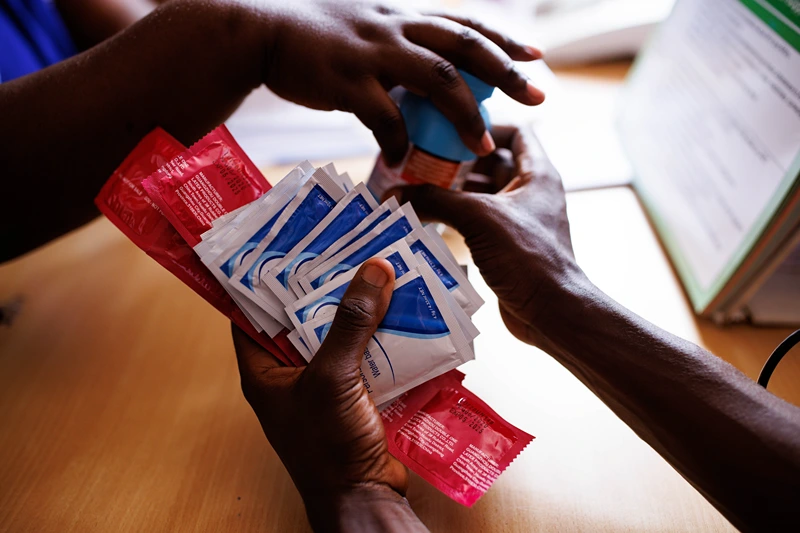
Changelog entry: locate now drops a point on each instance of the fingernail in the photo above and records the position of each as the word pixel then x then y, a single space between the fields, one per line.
pixel 533 51
pixel 375 276
pixel 487 143
pixel 536 96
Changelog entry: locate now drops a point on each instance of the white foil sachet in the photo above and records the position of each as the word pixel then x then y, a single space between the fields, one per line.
pixel 418 339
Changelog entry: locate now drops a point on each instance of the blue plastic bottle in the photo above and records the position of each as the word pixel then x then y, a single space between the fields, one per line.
pixel 436 155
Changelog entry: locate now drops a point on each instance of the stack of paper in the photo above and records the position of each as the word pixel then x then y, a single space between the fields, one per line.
pixel 711 123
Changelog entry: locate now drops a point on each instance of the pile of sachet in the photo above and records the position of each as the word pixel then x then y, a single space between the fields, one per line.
pixel 288 257
pixel 277 261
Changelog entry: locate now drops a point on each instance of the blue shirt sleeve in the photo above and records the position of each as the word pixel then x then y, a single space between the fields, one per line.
pixel 32 36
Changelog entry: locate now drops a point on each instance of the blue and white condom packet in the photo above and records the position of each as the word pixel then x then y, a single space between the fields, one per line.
pixel 418 339
pixel 467 327
pixel 356 205
pixel 394 228
pixel 377 216
pixel 428 244
pixel 316 198
pixel 299 344
pixel 325 300
pixel 226 246
pixel 315 227
pixel 343 180
pixel 238 222
pixel 289 256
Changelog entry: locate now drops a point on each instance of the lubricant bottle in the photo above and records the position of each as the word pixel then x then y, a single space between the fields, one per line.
pixel 436 154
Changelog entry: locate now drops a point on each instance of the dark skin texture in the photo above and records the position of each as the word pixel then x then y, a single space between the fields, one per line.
pixel 188 65
pixel 735 442
pixel 322 423
pixel 93 21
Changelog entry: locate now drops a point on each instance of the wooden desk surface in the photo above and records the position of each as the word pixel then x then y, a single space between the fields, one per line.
pixel 121 408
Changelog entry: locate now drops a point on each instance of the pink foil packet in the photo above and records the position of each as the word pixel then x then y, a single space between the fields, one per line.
pixel 451 438
pixel 124 202
pixel 211 179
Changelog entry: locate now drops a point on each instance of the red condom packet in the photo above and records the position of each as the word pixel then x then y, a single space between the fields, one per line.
pixel 212 178
pixel 451 438
pixel 123 200
pixel 288 349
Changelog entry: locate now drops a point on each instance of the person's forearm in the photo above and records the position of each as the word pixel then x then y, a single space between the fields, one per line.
pixel 93 21
pixel 365 510
pixel 185 68
pixel 736 443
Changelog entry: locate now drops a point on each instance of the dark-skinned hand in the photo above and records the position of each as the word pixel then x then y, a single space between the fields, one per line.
pixel 329 54
pixel 321 421
pixel 519 237
pixel 189 64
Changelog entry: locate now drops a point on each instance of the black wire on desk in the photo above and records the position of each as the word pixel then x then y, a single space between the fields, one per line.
pixel 783 348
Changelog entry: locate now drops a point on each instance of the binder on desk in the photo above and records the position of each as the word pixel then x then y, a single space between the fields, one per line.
pixel 711 124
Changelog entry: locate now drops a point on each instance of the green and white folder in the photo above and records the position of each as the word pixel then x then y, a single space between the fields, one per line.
pixel 711 124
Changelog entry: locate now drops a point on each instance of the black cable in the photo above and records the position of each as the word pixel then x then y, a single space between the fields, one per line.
pixel 783 348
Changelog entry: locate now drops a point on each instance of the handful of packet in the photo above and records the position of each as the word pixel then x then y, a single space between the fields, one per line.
pixel 278 260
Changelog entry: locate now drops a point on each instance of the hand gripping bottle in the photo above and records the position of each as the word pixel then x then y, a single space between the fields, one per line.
pixel 436 154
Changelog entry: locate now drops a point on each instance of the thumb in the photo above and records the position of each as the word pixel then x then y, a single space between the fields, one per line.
pixel 251 356
pixel 360 311
pixel 434 204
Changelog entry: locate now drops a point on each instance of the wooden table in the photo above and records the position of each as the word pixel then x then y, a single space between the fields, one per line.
pixel 121 408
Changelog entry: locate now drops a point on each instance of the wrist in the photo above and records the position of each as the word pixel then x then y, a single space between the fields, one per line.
pixel 258 26
pixel 577 321
pixel 240 34
pixel 372 507
pixel 562 303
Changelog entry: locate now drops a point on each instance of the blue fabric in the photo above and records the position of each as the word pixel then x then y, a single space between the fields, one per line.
pixel 32 37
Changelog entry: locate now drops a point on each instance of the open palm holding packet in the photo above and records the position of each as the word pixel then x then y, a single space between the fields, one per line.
pixel 278 261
